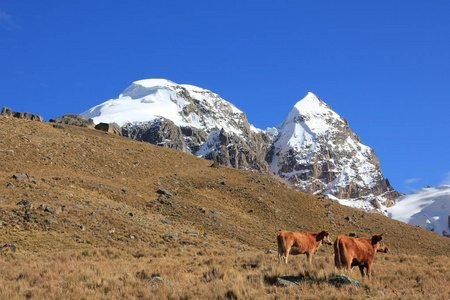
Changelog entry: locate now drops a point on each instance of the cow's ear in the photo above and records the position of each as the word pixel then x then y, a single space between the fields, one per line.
pixel 376 238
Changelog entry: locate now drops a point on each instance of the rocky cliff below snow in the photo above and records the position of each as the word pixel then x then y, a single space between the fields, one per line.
pixel 314 148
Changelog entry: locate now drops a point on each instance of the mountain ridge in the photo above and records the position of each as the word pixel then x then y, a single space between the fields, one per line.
pixel 314 148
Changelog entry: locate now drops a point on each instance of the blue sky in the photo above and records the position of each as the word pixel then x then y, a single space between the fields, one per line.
pixel 382 65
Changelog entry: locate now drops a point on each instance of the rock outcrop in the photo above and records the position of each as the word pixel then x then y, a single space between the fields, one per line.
pixel 109 127
pixel 6 111
pixel 73 119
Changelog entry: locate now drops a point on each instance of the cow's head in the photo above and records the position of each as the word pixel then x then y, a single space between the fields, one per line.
pixel 383 248
pixel 376 240
pixel 324 236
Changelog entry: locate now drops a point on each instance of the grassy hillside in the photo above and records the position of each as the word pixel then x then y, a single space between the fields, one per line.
pixel 94 222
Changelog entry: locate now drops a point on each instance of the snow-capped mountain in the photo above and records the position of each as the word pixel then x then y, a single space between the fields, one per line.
pixel 313 148
pixel 186 118
pixel 428 208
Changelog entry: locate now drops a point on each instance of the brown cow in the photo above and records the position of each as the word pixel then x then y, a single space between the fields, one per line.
pixel 299 243
pixel 350 252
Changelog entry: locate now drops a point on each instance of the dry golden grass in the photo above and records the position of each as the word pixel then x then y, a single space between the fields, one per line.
pixel 110 241
pixel 217 274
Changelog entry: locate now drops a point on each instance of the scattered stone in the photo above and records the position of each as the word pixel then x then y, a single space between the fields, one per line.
pixel 192 232
pixel 165 221
pixel 287 281
pixel 251 210
pixel 354 234
pixel 157 279
pixel 46 207
pixel 78 240
pixel 206 235
pixel 203 210
pixel 11 246
pixel 61 209
pixel 82 227
pixel 271 252
pixel 340 280
pixel 51 221
pixel 58 126
pixel 24 203
pixel 223 183
pixel 31 215
pixel 20 176
pixel 124 190
pixel 214 212
pixel 164 192
pixel 10 185
pixel 172 235
pixel 131 236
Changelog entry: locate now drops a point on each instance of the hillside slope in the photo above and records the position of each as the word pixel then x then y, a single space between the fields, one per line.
pixel 90 215
pixel 102 190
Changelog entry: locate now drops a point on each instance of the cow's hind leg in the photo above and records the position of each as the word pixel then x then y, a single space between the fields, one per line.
pixel 361 269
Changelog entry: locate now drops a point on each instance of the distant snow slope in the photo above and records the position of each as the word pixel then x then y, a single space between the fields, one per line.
pixel 427 207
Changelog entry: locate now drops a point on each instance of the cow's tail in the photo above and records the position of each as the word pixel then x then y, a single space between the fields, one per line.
pixel 281 247
pixel 337 254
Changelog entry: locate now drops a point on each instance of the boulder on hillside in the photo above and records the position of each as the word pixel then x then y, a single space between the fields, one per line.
pixel 73 119
pixel 109 127
pixel 6 111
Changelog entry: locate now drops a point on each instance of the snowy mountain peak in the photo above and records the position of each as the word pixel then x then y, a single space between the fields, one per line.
pixel 311 103
pixel 154 82
pixel 185 105
pixel 317 151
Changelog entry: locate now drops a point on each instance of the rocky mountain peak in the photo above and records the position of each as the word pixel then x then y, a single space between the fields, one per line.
pixel 316 150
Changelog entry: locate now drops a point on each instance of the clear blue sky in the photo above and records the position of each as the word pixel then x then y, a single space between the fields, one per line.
pixel 382 65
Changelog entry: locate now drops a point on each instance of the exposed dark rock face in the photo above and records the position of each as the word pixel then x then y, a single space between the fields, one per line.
pixel 161 132
pixel 73 119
